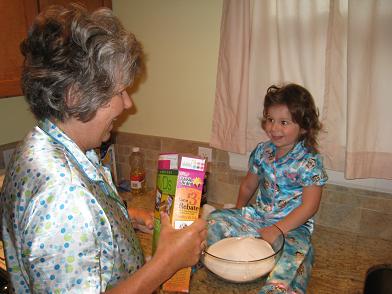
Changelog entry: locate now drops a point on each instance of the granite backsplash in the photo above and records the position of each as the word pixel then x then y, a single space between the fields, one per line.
pixel 363 212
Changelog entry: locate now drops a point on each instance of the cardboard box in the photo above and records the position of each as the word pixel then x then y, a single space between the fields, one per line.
pixel 178 192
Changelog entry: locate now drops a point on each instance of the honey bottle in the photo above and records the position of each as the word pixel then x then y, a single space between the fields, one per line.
pixel 138 173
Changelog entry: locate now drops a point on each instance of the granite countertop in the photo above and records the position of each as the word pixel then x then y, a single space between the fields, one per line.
pixel 341 260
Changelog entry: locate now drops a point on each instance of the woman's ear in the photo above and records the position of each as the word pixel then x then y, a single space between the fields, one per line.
pixel 302 132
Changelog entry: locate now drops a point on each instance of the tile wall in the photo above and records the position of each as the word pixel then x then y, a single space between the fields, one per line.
pixel 362 212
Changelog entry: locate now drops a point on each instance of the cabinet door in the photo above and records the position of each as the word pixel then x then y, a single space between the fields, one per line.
pixel 89 4
pixel 17 16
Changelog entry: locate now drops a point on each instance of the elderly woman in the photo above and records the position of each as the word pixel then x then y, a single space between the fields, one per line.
pixel 64 226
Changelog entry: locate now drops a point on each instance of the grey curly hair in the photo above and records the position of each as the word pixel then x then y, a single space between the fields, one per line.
pixel 76 61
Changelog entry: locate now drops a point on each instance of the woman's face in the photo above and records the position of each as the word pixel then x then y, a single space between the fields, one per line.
pixel 102 123
pixel 281 128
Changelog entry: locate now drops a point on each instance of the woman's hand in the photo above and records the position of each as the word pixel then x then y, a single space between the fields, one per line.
pixel 181 248
pixel 176 249
pixel 142 219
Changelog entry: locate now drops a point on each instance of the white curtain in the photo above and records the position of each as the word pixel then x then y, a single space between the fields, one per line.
pixel 338 49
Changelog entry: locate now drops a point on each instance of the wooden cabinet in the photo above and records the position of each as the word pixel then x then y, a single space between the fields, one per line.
pixel 89 4
pixel 17 16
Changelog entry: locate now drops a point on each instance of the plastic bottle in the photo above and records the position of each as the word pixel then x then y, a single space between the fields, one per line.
pixel 138 173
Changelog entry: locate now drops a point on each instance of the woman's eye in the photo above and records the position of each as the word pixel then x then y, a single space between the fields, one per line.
pixel 121 93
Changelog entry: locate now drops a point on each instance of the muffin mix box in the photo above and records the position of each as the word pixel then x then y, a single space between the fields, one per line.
pixel 178 192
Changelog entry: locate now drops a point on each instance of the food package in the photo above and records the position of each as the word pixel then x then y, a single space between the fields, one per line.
pixel 178 192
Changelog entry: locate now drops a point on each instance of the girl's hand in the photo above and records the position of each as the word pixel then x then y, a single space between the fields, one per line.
pixel 269 234
pixel 142 219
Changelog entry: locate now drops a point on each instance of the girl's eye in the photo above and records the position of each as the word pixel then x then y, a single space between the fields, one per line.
pixel 270 120
pixel 284 122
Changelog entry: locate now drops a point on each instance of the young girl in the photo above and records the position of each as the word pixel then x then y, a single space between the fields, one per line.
pixel 288 172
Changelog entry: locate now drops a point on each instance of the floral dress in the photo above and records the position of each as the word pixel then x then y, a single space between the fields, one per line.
pixel 280 189
pixel 64 227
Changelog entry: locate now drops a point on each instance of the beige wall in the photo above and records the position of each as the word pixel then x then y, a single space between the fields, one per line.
pixel 181 41
pixel 15 119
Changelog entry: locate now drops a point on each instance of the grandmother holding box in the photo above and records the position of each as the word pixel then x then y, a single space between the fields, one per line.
pixel 64 226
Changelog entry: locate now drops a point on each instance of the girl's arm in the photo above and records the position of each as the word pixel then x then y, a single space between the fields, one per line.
pixel 311 197
pixel 247 188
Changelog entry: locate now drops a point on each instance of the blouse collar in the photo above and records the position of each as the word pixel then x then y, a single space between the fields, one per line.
pixel 295 153
pixel 88 162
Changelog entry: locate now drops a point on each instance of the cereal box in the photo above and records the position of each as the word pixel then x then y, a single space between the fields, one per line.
pixel 178 192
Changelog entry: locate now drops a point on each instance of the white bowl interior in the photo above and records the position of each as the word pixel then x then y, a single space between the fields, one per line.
pixel 240 259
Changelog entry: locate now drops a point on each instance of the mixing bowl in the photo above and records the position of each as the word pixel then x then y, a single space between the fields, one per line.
pixel 246 258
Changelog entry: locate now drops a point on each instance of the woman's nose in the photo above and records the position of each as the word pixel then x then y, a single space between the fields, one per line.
pixel 127 100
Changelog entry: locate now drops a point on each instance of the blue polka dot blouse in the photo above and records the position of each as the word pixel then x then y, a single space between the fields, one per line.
pixel 64 226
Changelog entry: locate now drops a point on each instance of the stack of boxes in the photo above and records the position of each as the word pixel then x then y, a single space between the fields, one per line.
pixel 178 193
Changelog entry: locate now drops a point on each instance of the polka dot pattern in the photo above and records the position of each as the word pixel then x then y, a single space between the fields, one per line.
pixel 64 226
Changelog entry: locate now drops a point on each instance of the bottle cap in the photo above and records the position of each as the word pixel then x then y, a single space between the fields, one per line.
pixel 135 149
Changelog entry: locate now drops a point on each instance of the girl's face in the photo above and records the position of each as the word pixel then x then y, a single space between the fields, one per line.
pixel 281 129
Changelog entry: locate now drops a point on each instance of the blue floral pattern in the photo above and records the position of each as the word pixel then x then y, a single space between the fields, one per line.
pixel 282 180
pixel 280 189
pixel 64 226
